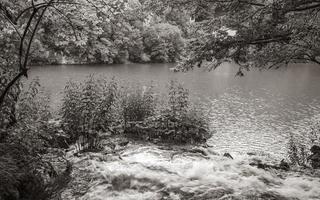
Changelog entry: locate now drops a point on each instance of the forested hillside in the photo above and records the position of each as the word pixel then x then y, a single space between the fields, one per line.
pixel 101 32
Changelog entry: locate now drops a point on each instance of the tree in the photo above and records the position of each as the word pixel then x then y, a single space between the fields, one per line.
pixel 24 20
pixel 24 24
pixel 253 33
pixel 163 42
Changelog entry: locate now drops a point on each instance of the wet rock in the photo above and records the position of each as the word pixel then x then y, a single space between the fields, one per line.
pixel 121 182
pixel 284 165
pixel 264 196
pixel 227 155
pixel 212 152
pixel 258 163
pixel 274 196
pixel 315 149
pixel 215 193
pixel 123 143
pixel 314 158
pixel 198 150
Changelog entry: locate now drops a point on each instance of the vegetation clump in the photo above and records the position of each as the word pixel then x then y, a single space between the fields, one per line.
pixel 176 121
pixel 97 108
pixel 25 146
pixel 305 152
pixel 88 110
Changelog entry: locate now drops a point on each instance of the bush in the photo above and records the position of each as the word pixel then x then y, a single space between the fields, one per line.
pixel 299 148
pixel 7 109
pixel 87 111
pixel 177 121
pixel 25 173
pixel 31 114
pixel 137 104
pixel 96 107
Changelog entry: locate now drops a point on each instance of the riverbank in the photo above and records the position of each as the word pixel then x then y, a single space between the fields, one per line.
pixel 147 171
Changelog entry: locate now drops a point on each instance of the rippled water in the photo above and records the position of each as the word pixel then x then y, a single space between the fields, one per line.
pixel 252 113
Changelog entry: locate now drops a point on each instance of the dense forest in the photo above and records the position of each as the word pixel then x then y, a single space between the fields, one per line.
pixel 104 32
pixel 39 150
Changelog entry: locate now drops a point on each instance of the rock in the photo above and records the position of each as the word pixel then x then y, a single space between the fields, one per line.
pixel 212 152
pixel 315 149
pixel 227 155
pixel 284 165
pixel 270 195
pixel 112 145
pixel 315 157
pixel 124 143
pixel 214 193
pixel 198 150
pixel 121 182
pixel 315 161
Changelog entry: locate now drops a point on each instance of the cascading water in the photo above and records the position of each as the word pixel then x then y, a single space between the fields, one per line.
pixel 151 172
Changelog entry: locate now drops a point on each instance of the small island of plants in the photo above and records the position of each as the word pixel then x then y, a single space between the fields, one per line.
pixel 97 107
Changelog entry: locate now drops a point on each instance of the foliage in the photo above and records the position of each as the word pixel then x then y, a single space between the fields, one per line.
pixel 264 34
pixel 163 42
pixel 96 108
pixel 299 148
pixel 34 32
pixel 32 115
pixel 174 122
pixel 297 152
pixel 116 32
pixel 7 110
pixel 137 104
pixel 87 111
pixel 25 173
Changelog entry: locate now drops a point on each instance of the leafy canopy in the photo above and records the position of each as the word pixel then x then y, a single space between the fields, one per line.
pixel 252 33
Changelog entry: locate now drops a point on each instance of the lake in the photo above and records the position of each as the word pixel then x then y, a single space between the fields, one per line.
pixel 256 112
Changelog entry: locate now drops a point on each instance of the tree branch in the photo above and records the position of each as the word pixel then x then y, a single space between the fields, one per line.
pixel 32 36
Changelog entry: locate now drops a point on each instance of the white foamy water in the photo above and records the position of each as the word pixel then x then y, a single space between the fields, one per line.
pixel 149 173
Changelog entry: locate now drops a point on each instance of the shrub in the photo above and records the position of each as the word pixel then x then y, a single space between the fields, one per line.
pixel 32 114
pixel 177 121
pixel 87 111
pixel 297 152
pixel 7 109
pixel 298 148
pixel 95 107
pixel 137 104
pixel 25 173
pixel 184 121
